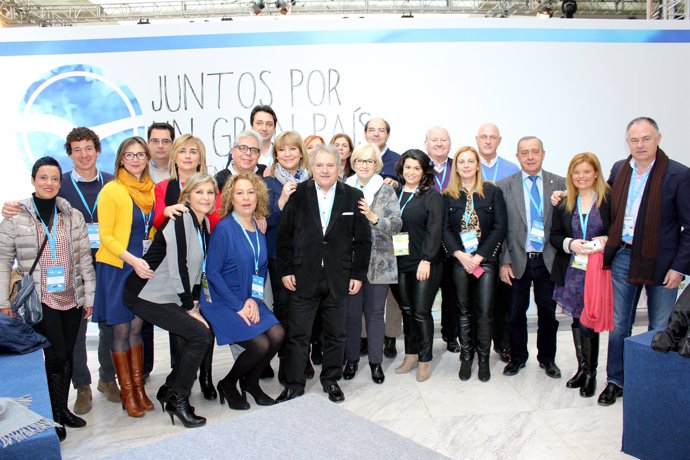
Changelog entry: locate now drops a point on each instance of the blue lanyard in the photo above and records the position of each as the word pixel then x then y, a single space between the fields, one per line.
pixel 402 208
pixel 468 215
pixel 147 221
pixel 202 243
pixel 179 182
pixel 257 250
pixel 52 236
pixel 583 222
pixel 531 198
pixel 83 200
pixel 443 179
pixel 634 190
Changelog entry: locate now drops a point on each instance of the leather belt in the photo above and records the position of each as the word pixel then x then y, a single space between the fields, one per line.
pixel 534 255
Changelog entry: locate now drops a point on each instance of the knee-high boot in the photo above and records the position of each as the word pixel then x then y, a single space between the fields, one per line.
pixel 590 354
pixel 205 380
pixel 137 366
pixel 56 388
pixel 578 379
pixel 68 418
pixel 129 402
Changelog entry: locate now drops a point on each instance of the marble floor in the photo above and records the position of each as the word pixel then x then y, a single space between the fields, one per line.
pixel 528 416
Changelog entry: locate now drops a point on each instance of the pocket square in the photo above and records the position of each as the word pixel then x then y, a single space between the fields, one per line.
pixel 348 214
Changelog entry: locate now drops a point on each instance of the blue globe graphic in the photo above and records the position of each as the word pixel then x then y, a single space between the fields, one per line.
pixel 77 95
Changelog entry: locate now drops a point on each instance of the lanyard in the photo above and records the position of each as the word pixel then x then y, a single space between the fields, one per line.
pixel 402 208
pixel 634 190
pixel 51 235
pixel 538 207
pixel 443 179
pixel 202 243
pixel 257 250
pixel 147 221
pixel 583 222
pixel 91 211
pixel 468 215
pixel 179 182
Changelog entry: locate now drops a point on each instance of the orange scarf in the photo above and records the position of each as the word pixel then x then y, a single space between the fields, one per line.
pixel 140 191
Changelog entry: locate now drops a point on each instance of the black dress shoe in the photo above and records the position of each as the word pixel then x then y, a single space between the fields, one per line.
pixel 71 420
pixel 452 344
pixel 377 373
pixel 350 370
pixel 512 368
pixel 363 346
pixel 609 395
pixel 309 370
pixel 335 394
pixel 389 350
pixel 504 355
pixel 289 393
pixel 551 370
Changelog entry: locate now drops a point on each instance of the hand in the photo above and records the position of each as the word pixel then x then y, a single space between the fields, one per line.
pixel 355 286
pixel 290 283
pixel 366 211
pixel 249 312
pixel 423 270
pixel 288 190
pixel 557 196
pixel 7 311
pixel 261 224
pixel 506 274
pixel 175 210
pixel 580 247
pixel 197 316
pixel 10 208
pixel 392 182
pixel 603 240
pixel 142 269
pixel 672 279
pixel 88 311
pixel 466 260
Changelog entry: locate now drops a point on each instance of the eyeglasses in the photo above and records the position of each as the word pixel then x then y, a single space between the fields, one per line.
pixel 133 155
pixel 243 148
pixel 361 162
pixel 78 150
pixel 155 140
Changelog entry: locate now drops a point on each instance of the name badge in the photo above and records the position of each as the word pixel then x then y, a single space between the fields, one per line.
pixel 470 241
pixel 628 229
pixel 146 244
pixel 55 279
pixel 580 261
pixel 204 288
pixel 536 234
pixel 258 287
pixel 401 244
pixel 94 237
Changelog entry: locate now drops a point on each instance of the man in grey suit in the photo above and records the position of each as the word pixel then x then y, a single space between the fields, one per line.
pixel 527 256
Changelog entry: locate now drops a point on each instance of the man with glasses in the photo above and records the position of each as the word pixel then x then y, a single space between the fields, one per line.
pixel 160 139
pixel 264 120
pixel 244 157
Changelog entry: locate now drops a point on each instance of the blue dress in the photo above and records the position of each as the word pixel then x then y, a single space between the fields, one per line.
pixel 229 270
pixel 110 280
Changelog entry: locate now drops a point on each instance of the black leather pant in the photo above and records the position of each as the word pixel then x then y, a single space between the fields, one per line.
pixel 415 299
pixel 476 309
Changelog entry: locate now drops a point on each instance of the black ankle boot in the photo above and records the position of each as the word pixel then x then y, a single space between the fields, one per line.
pixel 163 395
pixel 206 383
pixel 484 373
pixel 465 369
pixel 228 390
pixel 261 398
pixel 179 406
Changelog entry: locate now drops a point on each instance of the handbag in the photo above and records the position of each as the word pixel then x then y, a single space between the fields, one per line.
pixel 26 305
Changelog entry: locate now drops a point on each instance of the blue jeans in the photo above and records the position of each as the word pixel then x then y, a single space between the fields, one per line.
pixel 660 304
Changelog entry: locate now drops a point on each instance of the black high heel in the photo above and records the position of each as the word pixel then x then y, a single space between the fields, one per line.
pixel 179 406
pixel 228 391
pixel 261 398
pixel 163 395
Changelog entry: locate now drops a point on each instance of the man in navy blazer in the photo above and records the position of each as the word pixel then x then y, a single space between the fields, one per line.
pixel 377 131
pixel 323 249
pixel 650 246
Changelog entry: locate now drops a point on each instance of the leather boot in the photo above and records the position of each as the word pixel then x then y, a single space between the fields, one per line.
pixel 68 418
pixel 82 405
pixel 590 353
pixel 137 367
pixel 179 406
pixel 409 363
pixel 579 377
pixel 109 389
pixel 465 369
pixel 56 384
pixel 205 380
pixel 129 402
pixel 484 372
pixel 424 371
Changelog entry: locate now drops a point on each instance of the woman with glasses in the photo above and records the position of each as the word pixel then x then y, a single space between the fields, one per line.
pixel 380 207
pixel 125 216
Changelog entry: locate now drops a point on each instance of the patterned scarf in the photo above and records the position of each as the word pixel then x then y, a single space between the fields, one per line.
pixel 284 175
pixel 140 191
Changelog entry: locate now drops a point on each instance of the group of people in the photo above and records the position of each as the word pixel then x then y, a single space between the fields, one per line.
pixel 163 243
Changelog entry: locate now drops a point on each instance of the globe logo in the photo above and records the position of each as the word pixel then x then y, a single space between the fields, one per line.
pixel 71 96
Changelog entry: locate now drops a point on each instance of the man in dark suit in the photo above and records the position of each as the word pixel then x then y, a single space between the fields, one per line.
pixel 323 249
pixel 527 256
pixel 377 131
pixel 244 157
pixel 649 240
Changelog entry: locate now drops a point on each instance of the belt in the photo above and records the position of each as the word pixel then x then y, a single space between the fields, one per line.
pixel 625 245
pixel 534 255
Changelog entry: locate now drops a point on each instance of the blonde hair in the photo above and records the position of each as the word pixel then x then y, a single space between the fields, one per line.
pixel 365 151
pixel 288 138
pixel 600 185
pixel 455 186
pixel 259 188
pixel 179 144
pixel 195 181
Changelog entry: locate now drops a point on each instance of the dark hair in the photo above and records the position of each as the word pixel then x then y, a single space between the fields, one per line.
pixel 388 126
pixel 45 161
pixel 161 125
pixel 427 181
pixel 262 108
pixel 81 134
pixel 640 120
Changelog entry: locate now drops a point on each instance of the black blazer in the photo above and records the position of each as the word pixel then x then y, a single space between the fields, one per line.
pixel 493 221
pixel 562 228
pixel 302 245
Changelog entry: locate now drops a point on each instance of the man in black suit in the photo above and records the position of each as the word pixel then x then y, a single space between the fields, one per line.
pixel 323 249
pixel 377 131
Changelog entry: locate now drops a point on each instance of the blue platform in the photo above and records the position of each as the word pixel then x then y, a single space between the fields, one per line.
pixel 656 404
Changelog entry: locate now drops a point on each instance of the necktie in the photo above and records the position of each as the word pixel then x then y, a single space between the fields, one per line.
pixel 534 208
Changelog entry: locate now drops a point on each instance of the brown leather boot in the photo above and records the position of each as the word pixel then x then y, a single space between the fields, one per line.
pixel 137 366
pixel 129 402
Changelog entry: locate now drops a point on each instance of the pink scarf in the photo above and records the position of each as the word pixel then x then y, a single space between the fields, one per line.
pixel 598 311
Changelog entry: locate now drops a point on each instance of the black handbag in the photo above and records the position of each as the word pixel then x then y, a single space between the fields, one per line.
pixel 26 305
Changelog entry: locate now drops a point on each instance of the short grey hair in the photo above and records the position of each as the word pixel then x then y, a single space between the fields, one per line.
pixel 248 133
pixel 641 120
pixel 529 138
pixel 327 148
pixel 441 128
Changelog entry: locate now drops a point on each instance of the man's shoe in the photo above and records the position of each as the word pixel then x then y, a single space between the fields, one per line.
pixel 551 370
pixel 503 354
pixel 110 390
pixel 363 346
pixel 609 395
pixel 335 394
pixel 82 405
pixel 289 393
pixel 512 368
pixel 452 344
pixel 389 350
pixel 377 373
pixel 350 370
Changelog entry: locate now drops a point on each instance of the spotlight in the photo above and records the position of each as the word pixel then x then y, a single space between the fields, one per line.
pixel 258 7
pixel 284 7
pixel 569 8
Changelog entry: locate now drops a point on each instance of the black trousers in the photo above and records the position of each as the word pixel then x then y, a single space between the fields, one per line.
pixel 501 308
pixel 331 307
pixel 147 339
pixel 176 320
pixel 449 311
pixel 475 308
pixel 537 275
pixel 60 327
pixel 281 299
pixel 416 299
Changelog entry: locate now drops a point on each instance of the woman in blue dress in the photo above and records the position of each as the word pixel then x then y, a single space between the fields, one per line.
pixel 233 303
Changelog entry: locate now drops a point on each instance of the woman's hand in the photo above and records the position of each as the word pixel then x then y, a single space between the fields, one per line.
pixel 261 223
pixel 142 269
pixel 366 210
pixel 250 312
pixel 88 311
pixel 7 311
pixel 467 261
pixel 423 270
pixel 579 247
pixel 171 212
pixel 602 240
pixel 196 314
pixel 288 190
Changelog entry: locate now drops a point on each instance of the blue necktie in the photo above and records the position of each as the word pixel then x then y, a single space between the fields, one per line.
pixel 534 208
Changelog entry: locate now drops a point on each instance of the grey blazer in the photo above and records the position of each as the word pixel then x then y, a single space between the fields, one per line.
pixel 383 265
pixel 514 247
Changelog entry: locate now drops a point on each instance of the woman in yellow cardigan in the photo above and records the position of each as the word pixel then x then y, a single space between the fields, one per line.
pixel 125 218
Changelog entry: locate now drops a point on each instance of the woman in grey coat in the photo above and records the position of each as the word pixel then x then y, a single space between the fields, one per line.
pixel 380 207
